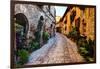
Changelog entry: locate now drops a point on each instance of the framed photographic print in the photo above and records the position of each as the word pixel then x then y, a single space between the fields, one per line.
pixel 49 34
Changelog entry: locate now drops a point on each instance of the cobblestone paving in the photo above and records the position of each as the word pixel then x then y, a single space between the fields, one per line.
pixel 59 49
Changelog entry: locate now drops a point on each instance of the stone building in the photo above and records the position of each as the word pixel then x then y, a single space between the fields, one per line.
pixel 29 16
pixel 80 17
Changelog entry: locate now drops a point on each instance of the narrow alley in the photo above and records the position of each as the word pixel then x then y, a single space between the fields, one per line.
pixel 59 49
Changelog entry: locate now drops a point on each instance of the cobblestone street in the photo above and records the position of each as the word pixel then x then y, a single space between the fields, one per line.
pixel 59 49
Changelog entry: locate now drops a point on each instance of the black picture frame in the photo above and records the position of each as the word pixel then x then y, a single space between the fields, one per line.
pixel 44 3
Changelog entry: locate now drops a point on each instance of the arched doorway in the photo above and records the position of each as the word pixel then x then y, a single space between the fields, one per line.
pixel 21 29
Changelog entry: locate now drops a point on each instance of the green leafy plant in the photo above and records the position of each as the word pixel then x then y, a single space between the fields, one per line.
pixel 74 34
pixel 34 46
pixel 83 51
pixel 45 37
pixel 86 49
pixel 23 55
pixel 37 36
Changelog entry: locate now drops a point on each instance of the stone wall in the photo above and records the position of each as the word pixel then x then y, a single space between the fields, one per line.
pixel 33 14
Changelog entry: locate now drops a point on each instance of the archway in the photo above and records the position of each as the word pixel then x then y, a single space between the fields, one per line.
pixel 21 29
pixel 22 20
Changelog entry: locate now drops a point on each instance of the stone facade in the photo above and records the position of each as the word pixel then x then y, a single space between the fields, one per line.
pixel 80 17
pixel 33 14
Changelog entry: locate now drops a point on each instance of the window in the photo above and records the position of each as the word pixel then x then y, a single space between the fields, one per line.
pixel 72 16
pixel 77 23
pixel 65 21
pixel 84 26
pixel 82 8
